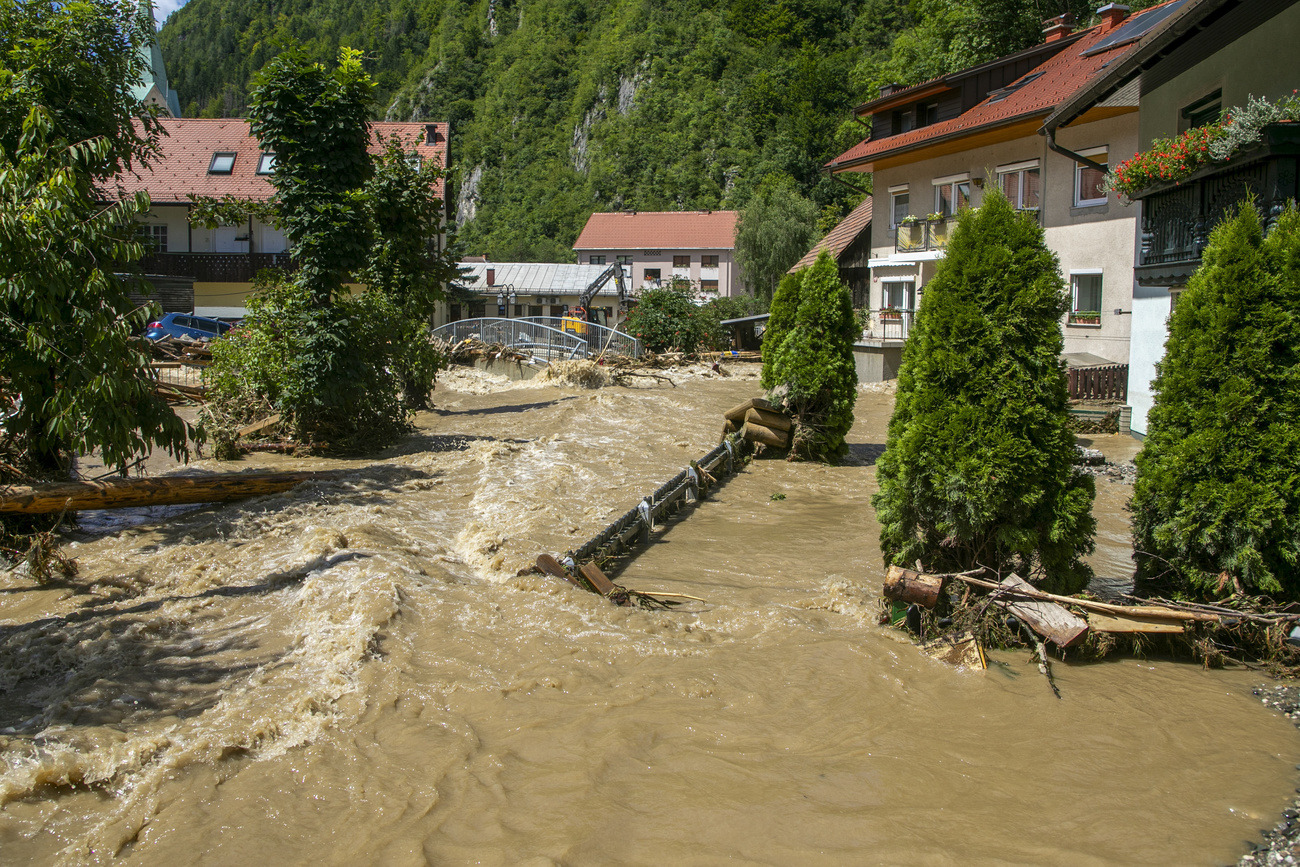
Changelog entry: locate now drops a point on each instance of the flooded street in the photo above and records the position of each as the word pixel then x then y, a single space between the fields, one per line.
pixel 353 673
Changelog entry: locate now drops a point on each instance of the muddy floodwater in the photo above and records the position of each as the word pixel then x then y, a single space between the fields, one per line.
pixel 353 673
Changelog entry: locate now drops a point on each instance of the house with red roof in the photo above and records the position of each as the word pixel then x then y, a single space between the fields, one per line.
pixel 655 247
pixel 849 244
pixel 936 147
pixel 210 271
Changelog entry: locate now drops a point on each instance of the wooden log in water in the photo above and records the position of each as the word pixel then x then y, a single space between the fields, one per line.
pixel 737 413
pixel 767 418
pixel 1053 622
pixel 553 567
pixel 596 578
pixel 158 491
pixel 756 433
pixel 914 588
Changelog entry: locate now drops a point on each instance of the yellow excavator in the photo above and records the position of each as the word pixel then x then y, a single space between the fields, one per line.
pixel 575 321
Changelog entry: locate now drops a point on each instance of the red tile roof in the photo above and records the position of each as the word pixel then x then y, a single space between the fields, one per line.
pixel 181 169
pixel 839 238
pixel 1034 94
pixel 659 230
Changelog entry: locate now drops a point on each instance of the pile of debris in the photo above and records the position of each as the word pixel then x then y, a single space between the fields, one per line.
pixel 472 349
pixel 956 615
pixel 758 422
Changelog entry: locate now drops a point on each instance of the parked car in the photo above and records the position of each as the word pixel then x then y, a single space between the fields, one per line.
pixel 185 325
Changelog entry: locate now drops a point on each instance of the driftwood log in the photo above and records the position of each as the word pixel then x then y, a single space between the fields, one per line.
pixel 159 491
pixel 767 418
pixel 737 413
pixel 757 433
pixel 914 588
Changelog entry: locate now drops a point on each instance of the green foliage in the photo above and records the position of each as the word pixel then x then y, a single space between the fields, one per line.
pixel 314 120
pixel 784 309
pixel 67 122
pixel 978 468
pixel 668 319
pixel 814 374
pixel 772 233
pixel 1217 491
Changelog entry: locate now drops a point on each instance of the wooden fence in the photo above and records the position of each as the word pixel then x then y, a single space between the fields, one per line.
pixel 1109 382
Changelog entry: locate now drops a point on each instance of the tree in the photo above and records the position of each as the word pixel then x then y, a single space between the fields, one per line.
pixel 667 318
pixel 814 374
pixel 1216 501
pixel 76 378
pixel 773 231
pixel 780 321
pixel 978 468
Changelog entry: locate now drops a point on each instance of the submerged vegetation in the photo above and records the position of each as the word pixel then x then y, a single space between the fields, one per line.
pixel 978 468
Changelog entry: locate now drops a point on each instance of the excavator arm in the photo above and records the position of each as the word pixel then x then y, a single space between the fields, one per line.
pixel 613 272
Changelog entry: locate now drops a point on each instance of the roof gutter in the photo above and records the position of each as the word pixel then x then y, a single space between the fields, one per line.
pixel 1066 152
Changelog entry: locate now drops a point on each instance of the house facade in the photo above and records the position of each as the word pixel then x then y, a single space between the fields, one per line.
pixel 1206 57
pixel 216 158
pixel 656 247
pixel 938 147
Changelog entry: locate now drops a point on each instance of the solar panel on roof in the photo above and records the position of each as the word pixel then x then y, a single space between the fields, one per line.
pixel 1134 29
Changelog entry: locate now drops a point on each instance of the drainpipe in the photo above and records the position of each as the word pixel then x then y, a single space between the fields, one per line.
pixel 1065 152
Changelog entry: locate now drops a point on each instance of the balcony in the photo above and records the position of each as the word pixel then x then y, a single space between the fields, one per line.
pixel 1177 218
pixel 214 267
pixel 887 324
pixel 923 235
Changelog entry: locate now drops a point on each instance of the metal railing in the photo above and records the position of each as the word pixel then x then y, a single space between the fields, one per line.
pixel 600 338
pixel 888 324
pixel 539 341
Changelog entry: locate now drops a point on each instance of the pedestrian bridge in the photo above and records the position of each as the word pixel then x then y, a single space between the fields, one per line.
pixel 545 338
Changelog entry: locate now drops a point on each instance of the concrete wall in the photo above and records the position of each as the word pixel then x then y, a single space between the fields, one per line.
pixel 877 363
pixel 726 272
pixel 1256 64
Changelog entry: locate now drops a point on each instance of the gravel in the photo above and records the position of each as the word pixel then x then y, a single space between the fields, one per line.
pixel 1281 844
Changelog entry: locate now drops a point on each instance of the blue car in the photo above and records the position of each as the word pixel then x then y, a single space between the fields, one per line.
pixel 185 325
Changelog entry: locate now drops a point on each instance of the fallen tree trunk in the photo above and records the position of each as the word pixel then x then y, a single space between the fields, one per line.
pixel 159 491
pixel 904 585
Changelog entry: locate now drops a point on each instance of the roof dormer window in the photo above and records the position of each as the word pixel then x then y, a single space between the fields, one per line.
pixel 223 163
pixel 266 165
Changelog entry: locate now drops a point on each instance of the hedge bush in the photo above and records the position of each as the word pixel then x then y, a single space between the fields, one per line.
pixel 1217 497
pixel 978 468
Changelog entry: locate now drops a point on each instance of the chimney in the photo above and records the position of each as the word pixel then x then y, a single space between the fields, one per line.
pixel 1059 27
pixel 492 276
pixel 431 133
pixel 1111 15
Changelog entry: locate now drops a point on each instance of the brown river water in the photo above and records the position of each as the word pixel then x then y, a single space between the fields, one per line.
pixel 352 673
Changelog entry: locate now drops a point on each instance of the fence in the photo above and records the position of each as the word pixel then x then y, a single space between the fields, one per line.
pixel 600 338
pixel 1108 382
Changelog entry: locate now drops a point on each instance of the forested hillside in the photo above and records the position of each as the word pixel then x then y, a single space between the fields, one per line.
pixel 562 107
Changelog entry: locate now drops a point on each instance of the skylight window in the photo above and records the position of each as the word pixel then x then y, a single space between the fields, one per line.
pixel 266 165
pixel 999 95
pixel 222 163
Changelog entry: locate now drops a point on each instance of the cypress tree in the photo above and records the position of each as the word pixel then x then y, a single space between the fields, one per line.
pixel 1217 498
pixel 814 374
pixel 978 468
pixel 785 306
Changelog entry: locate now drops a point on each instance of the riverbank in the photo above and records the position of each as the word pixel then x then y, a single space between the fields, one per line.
pixel 354 672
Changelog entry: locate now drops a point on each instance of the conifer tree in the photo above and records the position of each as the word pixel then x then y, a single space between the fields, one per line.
pixel 978 468
pixel 1217 501
pixel 785 306
pixel 814 374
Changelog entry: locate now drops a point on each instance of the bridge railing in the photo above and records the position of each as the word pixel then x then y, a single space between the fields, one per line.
pixel 600 338
pixel 540 341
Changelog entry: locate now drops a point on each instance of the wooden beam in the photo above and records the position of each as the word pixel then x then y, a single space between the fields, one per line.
pixel 1129 624
pixel 157 491
pixel 262 425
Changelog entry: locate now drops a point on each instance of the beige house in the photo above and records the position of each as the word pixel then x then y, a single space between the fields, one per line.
pixel 655 247
pixel 938 146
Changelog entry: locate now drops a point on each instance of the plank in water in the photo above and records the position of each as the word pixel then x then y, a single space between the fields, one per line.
pixel 1052 621
pixel 552 567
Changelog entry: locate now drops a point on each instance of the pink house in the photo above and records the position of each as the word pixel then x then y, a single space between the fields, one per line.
pixel 657 246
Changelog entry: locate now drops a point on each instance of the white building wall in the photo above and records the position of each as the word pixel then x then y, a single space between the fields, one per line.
pixel 1151 309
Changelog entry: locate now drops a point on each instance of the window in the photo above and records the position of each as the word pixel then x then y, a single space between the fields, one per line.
pixel 222 164
pixel 708 261
pixel 951 195
pixel 903 121
pixel 650 275
pixel 901 208
pixel 927 114
pixel 897 295
pixel 534 310
pixel 1020 184
pixel 624 260
pixel 154 238
pixel 519 310
pixel 1085 300
pixel 1204 111
pixel 1087 179
pixel 681 261
pixel 709 285
pixel 266 164
pixel 595 260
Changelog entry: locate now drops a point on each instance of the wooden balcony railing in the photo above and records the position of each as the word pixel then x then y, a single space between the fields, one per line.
pixel 1107 382
pixel 215 267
